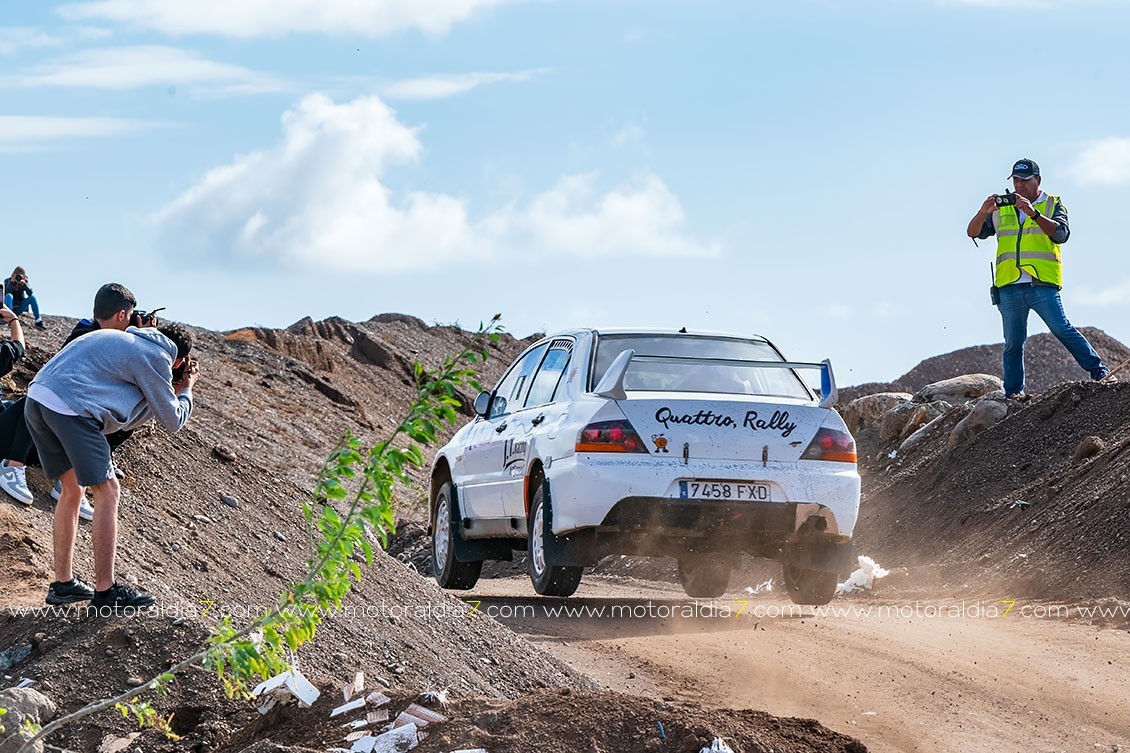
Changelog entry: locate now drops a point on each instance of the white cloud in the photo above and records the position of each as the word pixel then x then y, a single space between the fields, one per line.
pixel 31 129
pixel 254 18
pixel 140 66
pixel 628 134
pixel 1114 295
pixel 14 39
pixel 1104 161
pixel 319 198
pixel 449 85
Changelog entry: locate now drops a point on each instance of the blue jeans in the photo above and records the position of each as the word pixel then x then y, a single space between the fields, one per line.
pixel 28 302
pixel 1016 302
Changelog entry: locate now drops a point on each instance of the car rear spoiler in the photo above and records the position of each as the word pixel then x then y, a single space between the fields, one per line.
pixel 611 385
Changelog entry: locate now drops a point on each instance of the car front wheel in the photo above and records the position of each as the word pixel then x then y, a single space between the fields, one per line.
pixel 449 572
pixel 704 578
pixel 804 586
pixel 548 580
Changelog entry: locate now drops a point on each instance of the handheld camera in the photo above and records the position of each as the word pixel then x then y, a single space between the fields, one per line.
pixel 1007 199
pixel 144 318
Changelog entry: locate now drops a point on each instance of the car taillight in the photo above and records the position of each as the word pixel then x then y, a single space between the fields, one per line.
pixel 829 444
pixel 610 436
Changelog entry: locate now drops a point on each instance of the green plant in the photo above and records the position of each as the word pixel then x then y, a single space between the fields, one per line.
pixel 353 499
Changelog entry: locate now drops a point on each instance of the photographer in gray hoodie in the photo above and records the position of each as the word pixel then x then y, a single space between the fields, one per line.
pixel 103 382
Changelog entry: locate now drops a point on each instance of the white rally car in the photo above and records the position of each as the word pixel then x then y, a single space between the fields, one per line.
pixel 694 446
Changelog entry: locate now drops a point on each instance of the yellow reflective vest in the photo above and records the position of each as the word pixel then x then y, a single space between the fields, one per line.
pixel 1028 247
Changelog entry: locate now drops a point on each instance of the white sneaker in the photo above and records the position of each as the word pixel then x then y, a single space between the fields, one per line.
pixel 85 508
pixel 13 480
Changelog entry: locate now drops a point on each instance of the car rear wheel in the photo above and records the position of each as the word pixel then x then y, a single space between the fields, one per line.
pixel 814 587
pixel 548 580
pixel 448 571
pixel 704 578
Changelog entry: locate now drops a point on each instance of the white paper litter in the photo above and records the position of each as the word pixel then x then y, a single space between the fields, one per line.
pixel 765 587
pixel 376 699
pixel 718 746
pixel 282 687
pixel 470 750
pixel 356 703
pixel 357 687
pixel 863 578
pixel 417 715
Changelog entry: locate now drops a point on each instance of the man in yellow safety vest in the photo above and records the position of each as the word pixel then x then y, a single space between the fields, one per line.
pixel 1030 227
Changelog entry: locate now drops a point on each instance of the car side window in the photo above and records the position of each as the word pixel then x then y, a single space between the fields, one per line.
pixel 507 395
pixel 544 385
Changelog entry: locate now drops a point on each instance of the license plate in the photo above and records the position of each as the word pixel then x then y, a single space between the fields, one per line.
pixel 738 491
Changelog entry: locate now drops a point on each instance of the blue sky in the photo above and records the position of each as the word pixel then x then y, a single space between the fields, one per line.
pixel 803 170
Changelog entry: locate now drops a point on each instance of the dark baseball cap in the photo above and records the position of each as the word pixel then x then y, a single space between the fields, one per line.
pixel 1024 168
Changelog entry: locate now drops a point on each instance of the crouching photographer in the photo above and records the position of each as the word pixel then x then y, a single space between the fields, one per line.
pixel 103 382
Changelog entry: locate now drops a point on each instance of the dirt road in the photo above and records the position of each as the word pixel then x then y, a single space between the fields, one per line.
pixel 896 676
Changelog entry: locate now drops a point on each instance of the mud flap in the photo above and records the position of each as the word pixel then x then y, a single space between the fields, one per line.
pixel 577 549
pixel 827 557
pixel 475 550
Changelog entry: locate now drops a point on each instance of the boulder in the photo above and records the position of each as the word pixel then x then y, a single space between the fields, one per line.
pixel 985 413
pixel 921 433
pixel 22 703
pixel 1088 448
pixel 960 389
pixel 870 408
pixel 894 421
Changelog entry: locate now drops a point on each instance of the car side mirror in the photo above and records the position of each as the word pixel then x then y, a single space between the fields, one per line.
pixel 482 404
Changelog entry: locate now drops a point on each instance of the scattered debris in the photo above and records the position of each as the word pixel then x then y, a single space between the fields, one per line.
pixel 1021 503
pixel 718 746
pixel 229 500
pixel 863 578
pixel 356 703
pixel 282 687
pixel 14 655
pixel 765 587
pixel 357 687
pixel 435 698
pixel 418 715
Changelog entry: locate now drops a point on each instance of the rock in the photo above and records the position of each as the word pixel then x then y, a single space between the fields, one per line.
pixel 870 408
pixel 223 453
pixel 1088 448
pixel 921 433
pixel 135 681
pixel 907 418
pixel 24 703
pixel 10 657
pixel 985 413
pixel 280 536
pixel 202 518
pixel 229 500
pixel 894 421
pixel 960 389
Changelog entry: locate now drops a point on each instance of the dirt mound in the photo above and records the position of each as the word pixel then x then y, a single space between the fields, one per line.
pixel 1015 507
pixel 1047 364
pixel 565 719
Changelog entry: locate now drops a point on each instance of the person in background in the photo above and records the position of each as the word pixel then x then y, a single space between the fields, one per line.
pixel 19 297
pixel 114 307
pixel 1030 226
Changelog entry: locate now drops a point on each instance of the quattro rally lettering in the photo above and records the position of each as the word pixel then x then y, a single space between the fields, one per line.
pixel 779 421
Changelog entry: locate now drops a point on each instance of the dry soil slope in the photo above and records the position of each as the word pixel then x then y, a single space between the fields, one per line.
pixel 954 512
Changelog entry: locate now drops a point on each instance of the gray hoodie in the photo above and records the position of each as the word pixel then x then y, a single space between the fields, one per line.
pixel 120 379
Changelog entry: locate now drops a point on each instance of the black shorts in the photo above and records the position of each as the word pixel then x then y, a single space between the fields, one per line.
pixel 66 442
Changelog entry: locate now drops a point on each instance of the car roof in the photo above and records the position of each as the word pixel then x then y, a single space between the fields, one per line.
pixel 653 331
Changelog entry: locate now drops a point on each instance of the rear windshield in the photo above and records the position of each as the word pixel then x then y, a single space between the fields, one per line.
pixel 683 373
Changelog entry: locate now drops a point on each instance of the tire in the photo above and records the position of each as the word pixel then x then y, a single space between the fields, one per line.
pixel 704 578
pixel 548 580
pixel 448 571
pixel 814 587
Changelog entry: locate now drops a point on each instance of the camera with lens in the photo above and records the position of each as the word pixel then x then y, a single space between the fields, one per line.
pixel 144 318
pixel 1007 199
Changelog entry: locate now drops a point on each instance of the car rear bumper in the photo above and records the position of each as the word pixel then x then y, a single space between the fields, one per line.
pixel 628 494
